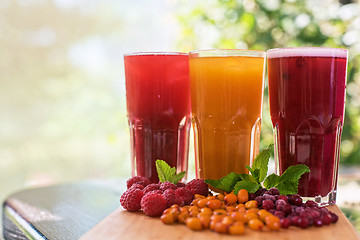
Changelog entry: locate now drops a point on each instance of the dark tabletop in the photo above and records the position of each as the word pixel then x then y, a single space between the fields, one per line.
pixel 59 212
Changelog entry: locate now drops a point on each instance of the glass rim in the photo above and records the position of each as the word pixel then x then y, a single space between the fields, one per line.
pixel 227 53
pixel 160 53
pixel 312 52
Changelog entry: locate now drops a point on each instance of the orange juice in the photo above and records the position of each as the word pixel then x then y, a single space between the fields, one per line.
pixel 226 100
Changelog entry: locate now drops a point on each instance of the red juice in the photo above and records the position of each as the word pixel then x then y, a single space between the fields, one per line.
pixel 158 106
pixel 307 100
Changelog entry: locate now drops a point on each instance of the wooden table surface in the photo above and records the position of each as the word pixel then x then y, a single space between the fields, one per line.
pixel 91 210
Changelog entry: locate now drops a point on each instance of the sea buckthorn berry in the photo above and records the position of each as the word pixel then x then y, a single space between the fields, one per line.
pixel 183 216
pixel 254 210
pixel 214 204
pixel 194 208
pixel 263 214
pixel 241 205
pixel 221 197
pixel 220 227
pixel 230 198
pixel 249 216
pixel 194 223
pixel 220 212
pixel 230 209
pixel 273 222
pixel 256 224
pixel 175 212
pixel 211 198
pixel 197 196
pixel 167 218
pixel 243 196
pixel 194 213
pixel 251 204
pixel 205 221
pixel 202 202
pixel 237 228
pixel 227 220
pixel 206 211
pixel 236 216
pixel 195 202
pixel 216 218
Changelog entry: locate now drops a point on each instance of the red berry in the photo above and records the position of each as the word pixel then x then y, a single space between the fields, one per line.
pixel 295 200
pixel 326 219
pixel 185 194
pixel 198 186
pixel 303 222
pixel 311 203
pixel 139 180
pixel 137 186
pixel 273 191
pixel 167 185
pixel 268 204
pixel 131 199
pixel 153 204
pixel 180 184
pixel 170 196
pixel 318 222
pixel 283 197
pixel 334 217
pixel 154 191
pixel 151 187
pixel 285 223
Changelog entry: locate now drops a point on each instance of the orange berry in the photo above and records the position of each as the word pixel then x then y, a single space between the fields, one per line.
pixel 167 218
pixel 254 210
pixel 256 224
pixel 230 209
pixel 199 196
pixel 227 220
pixel 220 227
pixel 236 216
pixel 251 204
pixel 214 204
pixel 194 208
pixel 230 198
pixel 206 211
pixel 249 216
pixel 183 216
pixel 221 197
pixel 202 202
pixel 243 196
pixel 216 218
pixel 195 202
pixel 237 228
pixel 194 223
pixel 205 221
pixel 263 213
pixel 273 222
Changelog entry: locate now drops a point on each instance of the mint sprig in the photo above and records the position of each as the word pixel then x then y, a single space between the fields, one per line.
pixel 287 183
pixel 167 173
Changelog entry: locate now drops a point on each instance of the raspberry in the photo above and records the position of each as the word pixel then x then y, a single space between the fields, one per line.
pixel 185 194
pixel 167 185
pixel 153 204
pixel 180 184
pixel 154 191
pixel 170 196
pixel 131 199
pixel 198 186
pixel 151 187
pixel 137 186
pixel 139 180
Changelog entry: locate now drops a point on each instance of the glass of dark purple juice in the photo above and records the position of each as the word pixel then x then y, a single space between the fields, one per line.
pixel 307 101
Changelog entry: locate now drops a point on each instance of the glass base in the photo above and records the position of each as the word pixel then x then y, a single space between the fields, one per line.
pixel 328 200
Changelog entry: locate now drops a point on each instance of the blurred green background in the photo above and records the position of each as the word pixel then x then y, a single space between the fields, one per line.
pixel 62 93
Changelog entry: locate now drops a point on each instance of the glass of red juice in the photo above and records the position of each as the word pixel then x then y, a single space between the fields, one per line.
pixel 307 102
pixel 158 108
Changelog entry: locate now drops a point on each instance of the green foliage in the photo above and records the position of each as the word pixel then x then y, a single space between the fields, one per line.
pixel 266 24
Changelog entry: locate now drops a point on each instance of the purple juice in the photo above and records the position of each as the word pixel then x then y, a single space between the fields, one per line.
pixel 307 100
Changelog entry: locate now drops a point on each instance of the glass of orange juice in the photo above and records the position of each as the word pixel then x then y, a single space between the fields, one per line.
pixel 226 100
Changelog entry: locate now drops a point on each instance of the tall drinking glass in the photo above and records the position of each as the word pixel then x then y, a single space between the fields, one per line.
pixel 158 107
pixel 307 100
pixel 226 100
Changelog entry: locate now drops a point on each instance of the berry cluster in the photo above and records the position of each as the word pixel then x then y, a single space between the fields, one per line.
pixel 223 213
pixel 154 198
pixel 292 211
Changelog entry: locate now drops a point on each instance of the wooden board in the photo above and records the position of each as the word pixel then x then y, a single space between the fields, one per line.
pixel 126 225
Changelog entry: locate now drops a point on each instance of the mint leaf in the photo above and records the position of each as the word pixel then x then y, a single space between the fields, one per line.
pixel 261 162
pixel 271 181
pixel 226 183
pixel 289 180
pixel 250 169
pixel 247 177
pixel 250 186
pixel 176 178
